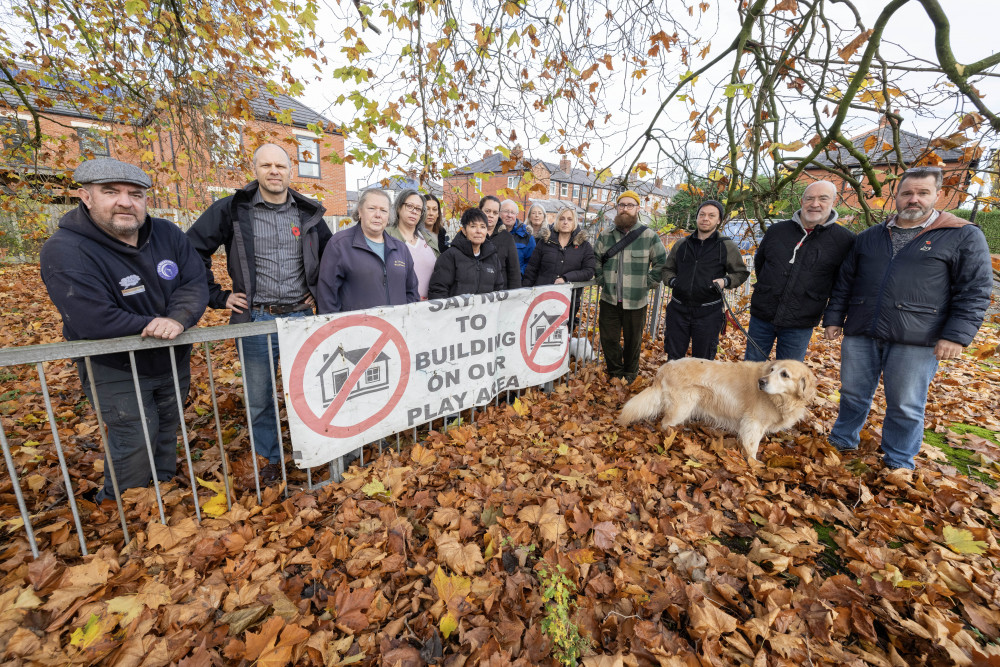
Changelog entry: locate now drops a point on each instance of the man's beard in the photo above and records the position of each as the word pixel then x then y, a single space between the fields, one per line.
pixel 914 214
pixel 119 227
pixel 625 221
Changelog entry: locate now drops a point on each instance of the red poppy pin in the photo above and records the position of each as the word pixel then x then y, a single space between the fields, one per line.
pixel 295 230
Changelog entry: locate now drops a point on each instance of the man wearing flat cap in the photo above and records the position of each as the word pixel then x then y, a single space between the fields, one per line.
pixel 113 271
pixel 698 268
pixel 629 258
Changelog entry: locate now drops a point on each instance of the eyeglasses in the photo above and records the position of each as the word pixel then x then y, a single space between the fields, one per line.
pixel 413 208
pixel 628 207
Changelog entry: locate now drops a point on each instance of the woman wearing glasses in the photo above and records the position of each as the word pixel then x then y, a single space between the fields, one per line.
pixel 408 227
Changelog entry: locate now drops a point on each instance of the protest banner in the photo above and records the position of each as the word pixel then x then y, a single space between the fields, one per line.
pixel 352 378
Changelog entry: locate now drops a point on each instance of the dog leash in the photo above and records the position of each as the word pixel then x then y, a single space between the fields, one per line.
pixel 735 320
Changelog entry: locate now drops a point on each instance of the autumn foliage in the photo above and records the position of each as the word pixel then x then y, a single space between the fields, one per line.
pixel 676 550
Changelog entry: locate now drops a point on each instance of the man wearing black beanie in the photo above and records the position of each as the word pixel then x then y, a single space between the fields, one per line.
pixel 698 268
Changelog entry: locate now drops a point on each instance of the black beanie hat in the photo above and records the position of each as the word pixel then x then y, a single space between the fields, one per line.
pixel 718 205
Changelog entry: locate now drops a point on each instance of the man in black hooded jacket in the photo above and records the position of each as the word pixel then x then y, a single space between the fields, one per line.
pixel 698 268
pixel 113 271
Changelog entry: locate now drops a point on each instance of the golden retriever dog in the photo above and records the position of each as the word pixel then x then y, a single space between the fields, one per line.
pixel 749 398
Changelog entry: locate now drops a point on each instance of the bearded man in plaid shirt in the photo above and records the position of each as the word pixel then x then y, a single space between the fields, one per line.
pixel 629 260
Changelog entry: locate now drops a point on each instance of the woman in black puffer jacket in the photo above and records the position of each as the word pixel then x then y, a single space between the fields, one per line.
pixel 562 255
pixel 471 264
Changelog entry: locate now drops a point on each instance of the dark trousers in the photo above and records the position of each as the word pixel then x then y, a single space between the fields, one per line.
pixel 616 323
pixel 120 412
pixel 699 325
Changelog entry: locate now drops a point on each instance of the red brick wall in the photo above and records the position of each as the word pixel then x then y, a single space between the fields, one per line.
pixel 61 153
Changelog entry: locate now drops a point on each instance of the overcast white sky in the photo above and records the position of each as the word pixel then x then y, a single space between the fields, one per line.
pixel 975 24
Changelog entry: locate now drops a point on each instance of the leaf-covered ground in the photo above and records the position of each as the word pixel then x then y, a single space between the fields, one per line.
pixel 675 549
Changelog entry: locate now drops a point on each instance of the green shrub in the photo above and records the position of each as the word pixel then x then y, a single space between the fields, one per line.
pixel 988 221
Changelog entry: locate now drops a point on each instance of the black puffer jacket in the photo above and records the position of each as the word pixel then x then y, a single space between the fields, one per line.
pixel 458 271
pixel 506 249
pixel 936 287
pixel 796 270
pixel 693 263
pixel 574 263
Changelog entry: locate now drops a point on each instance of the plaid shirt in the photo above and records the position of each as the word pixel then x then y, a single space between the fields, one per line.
pixel 643 260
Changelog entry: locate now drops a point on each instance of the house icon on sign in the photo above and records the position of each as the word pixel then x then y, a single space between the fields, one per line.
pixel 537 326
pixel 337 367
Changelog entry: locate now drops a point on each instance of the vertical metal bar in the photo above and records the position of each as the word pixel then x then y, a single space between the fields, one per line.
pixel 277 414
pixel 309 478
pixel 184 433
pixel 62 459
pixel 218 427
pixel 598 350
pixel 109 466
pixel 655 316
pixel 246 404
pixel 16 483
pixel 145 433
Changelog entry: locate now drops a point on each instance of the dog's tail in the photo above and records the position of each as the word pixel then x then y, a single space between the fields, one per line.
pixel 647 404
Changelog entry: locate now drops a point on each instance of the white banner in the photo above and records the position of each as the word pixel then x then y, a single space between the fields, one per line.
pixel 352 378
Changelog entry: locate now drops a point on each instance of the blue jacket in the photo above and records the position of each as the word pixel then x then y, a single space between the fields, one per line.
pixel 104 288
pixel 524 240
pixel 353 277
pixel 936 287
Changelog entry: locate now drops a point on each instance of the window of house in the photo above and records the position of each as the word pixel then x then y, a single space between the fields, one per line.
pixel 479 184
pixel 512 182
pixel 93 142
pixel 373 375
pixel 553 188
pixel 564 189
pixel 14 139
pixel 308 157
pixel 576 191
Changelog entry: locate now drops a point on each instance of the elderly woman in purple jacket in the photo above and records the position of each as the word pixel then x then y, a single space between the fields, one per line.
pixel 362 267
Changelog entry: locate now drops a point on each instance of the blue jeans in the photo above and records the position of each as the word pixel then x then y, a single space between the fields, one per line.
pixel 906 372
pixel 792 343
pixel 260 391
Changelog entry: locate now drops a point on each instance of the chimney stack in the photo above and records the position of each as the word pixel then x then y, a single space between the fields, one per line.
pixel 488 152
pixel 565 165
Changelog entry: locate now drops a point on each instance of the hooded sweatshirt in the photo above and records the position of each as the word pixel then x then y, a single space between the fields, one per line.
pixel 105 288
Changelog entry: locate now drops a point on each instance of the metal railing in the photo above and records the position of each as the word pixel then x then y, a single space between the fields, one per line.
pixel 206 342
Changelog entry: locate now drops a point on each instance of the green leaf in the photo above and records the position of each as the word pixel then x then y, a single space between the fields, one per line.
pixel 375 488
pixel 961 541
pixel 448 625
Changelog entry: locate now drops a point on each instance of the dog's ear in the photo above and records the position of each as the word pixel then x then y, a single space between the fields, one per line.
pixel 807 385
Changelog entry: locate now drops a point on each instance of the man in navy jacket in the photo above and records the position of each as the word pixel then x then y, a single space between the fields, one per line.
pixel 913 291
pixel 113 271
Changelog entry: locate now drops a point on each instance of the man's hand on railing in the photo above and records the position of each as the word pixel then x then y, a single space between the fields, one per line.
pixel 163 327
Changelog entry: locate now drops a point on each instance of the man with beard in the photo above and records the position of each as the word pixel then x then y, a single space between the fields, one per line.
pixel 698 268
pixel 628 261
pixel 113 271
pixel 274 238
pixel 912 291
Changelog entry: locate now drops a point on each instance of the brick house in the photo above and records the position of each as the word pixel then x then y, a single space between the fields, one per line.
pixel 71 134
pixel 958 164
pixel 531 181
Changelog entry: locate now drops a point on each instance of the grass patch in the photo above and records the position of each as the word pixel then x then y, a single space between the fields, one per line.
pixel 829 560
pixel 964 461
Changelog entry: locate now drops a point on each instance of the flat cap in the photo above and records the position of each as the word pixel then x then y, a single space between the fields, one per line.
pixel 108 170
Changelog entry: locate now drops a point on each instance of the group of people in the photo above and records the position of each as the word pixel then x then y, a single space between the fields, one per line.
pixel 906 294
